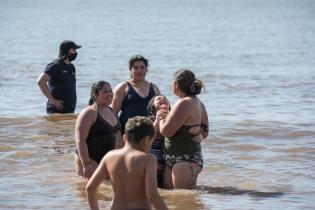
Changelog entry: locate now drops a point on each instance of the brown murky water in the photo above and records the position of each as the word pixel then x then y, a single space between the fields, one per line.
pixel 37 169
pixel 255 57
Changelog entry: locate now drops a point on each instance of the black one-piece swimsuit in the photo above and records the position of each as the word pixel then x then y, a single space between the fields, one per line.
pixel 101 138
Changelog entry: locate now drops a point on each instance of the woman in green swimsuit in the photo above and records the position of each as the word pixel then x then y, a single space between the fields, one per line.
pixel 184 128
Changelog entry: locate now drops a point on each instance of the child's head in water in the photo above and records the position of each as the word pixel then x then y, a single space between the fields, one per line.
pixel 156 103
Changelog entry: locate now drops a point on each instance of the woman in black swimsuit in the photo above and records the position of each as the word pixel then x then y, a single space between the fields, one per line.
pixel 97 130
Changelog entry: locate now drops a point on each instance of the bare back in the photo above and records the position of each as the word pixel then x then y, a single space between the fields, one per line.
pixel 187 111
pixel 126 168
pixel 133 176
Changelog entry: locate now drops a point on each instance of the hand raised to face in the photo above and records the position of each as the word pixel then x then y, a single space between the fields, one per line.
pixel 161 114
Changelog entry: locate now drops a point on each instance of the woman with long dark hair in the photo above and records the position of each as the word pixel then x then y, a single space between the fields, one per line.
pixel 97 130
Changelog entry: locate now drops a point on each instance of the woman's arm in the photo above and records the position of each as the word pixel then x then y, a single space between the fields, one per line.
pixel 42 83
pixel 119 96
pixel 175 118
pixel 204 121
pixel 82 128
pixel 119 141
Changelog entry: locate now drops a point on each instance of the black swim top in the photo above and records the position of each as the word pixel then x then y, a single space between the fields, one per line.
pixel 134 105
pixel 102 137
pixel 182 142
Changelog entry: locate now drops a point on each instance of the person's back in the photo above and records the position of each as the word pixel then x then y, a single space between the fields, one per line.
pixel 131 170
pixel 184 128
pixel 127 168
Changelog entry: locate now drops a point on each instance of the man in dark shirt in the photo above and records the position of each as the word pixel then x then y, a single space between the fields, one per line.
pixel 58 82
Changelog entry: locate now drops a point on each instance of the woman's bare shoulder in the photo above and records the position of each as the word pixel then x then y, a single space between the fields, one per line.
pixel 187 106
pixel 150 157
pixel 88 112
pixel 142 156
pixel 185 102
pixel 122 84
pixel 121 87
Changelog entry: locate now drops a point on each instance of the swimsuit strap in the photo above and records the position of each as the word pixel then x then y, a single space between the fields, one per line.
pixel 191 126
pixel 130 88
pixel 100 116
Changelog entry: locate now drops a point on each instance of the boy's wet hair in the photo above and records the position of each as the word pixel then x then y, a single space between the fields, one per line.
pixel 138 128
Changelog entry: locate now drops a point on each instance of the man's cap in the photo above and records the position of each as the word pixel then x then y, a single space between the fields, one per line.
pixel 65 46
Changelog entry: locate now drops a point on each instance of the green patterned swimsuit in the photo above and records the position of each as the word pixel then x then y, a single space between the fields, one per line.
pixel 182 148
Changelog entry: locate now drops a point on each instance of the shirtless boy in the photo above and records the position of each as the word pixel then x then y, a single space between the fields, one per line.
pixel 131 169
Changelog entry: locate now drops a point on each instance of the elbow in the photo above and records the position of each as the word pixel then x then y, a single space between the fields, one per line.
pixel 166 133
pixel 166 130
pixel 38 81
pixel 204 133
pixel 115 107
pixel 42 79
pixel 204 130
pixel 89 188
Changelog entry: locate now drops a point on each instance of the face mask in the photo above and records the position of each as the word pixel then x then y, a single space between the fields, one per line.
pixel 72 56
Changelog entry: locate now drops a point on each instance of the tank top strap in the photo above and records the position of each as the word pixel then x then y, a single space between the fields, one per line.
pixel 115 114
pixel 151 88
pixel 191 126
pixel 151 91
pixel 97 110
pixel 99 116
pixel 130 88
